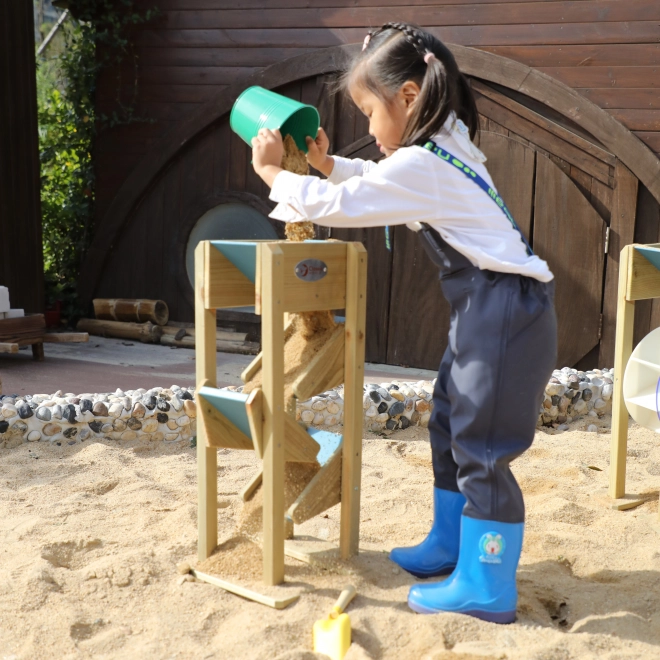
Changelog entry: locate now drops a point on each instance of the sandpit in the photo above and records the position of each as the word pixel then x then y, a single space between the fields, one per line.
pixel 92 535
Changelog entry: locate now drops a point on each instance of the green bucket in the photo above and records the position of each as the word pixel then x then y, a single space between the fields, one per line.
pixel 258 108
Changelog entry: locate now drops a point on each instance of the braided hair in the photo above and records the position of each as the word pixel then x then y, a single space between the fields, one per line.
pixel 398 52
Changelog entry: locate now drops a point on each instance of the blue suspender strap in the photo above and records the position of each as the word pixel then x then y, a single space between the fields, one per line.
pixel 489 190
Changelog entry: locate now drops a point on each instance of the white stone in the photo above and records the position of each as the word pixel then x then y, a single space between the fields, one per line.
pixel 175 388
pixel 176 403
pixel 158 436
pixel 115 409
pixel 84 434
pixel 382 417
pixel 319 404
pixel 606 394
pixel 9 411
pixel 107 428
pixel 318 419
pixel 372 411
pixel 56 412
pixel 580 406
pixel 592 428
pixel 307 416
pixel 33 436
pixel 424 419
pixel 555 389
pixel 599 404
pixel 366 402
pixel 171 437
pixel 128 435
pixel 306 405
pixel 332 408
pixel 183 420
pixel 331 420
pixel 593 413
pixel 428 388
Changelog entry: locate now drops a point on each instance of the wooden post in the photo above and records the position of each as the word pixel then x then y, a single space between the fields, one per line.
pixel 356 311
pixel 624 343
pixel 207 457
pixel 272 340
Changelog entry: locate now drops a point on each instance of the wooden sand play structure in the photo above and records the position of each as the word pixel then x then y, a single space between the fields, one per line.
pixel 639 279
pixel 286 282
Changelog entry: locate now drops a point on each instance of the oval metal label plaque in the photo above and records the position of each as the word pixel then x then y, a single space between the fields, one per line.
pixel 311 270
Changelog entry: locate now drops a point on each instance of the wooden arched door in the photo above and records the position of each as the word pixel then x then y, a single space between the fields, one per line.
pixel 408 319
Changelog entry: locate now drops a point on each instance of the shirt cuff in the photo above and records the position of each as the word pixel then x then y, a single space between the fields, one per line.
pixel 285 188
pixel 342 170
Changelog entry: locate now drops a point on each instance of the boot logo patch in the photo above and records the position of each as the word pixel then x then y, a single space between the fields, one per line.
pixel 492 547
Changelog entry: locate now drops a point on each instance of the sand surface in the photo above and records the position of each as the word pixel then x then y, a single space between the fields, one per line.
pixel 90 537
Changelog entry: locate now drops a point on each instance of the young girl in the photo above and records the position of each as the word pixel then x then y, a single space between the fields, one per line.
pixel 502 336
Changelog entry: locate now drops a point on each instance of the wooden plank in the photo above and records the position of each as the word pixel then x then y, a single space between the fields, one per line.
pixel 639 120
pixel 8 348
pixel 504 157
pixel 651 139
pixel 299 446
pixel 544 139
pixel 225 285
pixel 166 56
pixel 351 472
pixel 249 489
pixel 587 55
pixel 606 76
pixel 219 431
pixel 272 309
pixel 22 324
pixel 632 32
pixel 537 13
pixel 205 374
pixel 544 122
pixel 624 335
pixel 325 370
pixel 420 345
pixel 303 4
pixel 66 337
pixel 252 368
pixel 622 231
pixel 329 292
pixel 243 592
pixel 254 410
pixel 618 97
pixel 643 278
pixel 561 211
pixel 321 493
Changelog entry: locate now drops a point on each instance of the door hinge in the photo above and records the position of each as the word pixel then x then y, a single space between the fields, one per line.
pixel 607 240
pixel 600 327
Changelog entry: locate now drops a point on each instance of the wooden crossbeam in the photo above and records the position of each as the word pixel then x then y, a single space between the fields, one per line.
pixel 325 370
pixel 255 415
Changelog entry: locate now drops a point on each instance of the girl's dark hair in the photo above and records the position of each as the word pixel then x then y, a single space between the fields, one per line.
pixel 394 54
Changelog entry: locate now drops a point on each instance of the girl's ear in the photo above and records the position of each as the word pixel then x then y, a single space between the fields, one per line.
pixel 409 92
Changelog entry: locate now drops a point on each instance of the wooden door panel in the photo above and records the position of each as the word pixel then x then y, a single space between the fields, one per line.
pixel 419 314
pixel 569 234
pixel 511 166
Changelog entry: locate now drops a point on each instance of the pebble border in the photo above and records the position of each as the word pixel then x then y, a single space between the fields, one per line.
pixel 169 415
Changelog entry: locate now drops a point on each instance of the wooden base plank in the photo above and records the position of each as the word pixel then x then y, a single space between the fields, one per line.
pixel 628 502
pixel 244 592
pixel 66 337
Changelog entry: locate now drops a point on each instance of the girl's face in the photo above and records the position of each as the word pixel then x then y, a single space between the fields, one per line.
pixel 387 121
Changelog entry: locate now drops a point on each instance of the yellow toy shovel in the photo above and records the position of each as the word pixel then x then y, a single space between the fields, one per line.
pixel 332 635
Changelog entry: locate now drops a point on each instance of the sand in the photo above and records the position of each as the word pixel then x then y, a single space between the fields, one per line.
pixel 91 536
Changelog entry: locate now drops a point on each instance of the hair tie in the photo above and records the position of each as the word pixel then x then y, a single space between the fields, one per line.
pixel 366 41
pixel 429 56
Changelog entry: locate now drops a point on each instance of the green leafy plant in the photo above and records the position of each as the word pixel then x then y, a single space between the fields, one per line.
pixel 97 40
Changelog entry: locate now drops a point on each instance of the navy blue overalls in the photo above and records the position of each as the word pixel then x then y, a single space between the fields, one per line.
pixel 502 350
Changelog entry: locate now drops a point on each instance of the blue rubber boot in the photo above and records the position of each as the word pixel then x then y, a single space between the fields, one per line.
pixel 484 581
pixel 437 554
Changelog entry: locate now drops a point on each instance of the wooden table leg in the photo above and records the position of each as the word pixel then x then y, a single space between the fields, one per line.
pixel 38 351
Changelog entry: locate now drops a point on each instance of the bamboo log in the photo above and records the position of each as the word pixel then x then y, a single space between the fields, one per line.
pixel 144 332
pixel 135 310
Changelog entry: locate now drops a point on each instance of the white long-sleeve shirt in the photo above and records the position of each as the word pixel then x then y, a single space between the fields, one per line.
pixel 413 185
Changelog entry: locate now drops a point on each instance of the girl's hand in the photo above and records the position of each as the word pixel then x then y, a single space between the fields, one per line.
pixel 317 154
pixel 267 152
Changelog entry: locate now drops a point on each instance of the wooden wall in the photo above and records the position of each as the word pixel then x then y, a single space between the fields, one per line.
pixel 21 261
pixel 607 49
